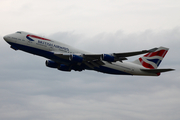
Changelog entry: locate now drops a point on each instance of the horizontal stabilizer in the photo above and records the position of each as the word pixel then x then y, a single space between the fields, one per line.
pixel 157 70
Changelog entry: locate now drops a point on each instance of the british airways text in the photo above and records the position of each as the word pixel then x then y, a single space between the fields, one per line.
pixel 52 45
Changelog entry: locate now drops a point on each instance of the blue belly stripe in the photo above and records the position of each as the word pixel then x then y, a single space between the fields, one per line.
pixel 43 53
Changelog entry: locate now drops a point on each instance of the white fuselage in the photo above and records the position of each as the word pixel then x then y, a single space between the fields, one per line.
pixel 46 48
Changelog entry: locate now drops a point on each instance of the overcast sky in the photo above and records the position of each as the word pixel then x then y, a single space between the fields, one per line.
pixel 31 91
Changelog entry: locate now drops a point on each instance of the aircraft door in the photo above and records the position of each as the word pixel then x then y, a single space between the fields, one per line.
pixel 29 43
pixel 14 39
pixel 51 48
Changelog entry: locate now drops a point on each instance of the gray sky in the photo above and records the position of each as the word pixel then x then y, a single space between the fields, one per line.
pixel 31 91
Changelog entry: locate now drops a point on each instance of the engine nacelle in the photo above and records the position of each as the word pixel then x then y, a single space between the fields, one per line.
pixel 63 67
pixel 51 64
pixel 108 58
pixel 76 58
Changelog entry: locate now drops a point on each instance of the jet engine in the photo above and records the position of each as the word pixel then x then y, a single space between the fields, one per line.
pixel 108 58
pixel 63 67
pixel 51 64
pixel 76 58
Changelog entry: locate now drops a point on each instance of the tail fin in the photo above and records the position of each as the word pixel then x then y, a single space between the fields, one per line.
pixel 153 59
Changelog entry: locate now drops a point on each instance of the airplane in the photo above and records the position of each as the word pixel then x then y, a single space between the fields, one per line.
pixel 66 58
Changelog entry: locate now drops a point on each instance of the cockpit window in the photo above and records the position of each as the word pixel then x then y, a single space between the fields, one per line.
pixel 18 32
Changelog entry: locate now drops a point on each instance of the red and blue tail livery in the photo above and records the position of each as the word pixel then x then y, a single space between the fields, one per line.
pixel 153 59
pixel 66 58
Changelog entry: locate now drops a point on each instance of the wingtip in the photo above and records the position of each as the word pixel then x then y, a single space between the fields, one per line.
pixel 153 49
pixel 156 48
pixel 172 69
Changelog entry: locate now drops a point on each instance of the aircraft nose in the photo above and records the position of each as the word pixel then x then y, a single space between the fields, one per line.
pixel 5 38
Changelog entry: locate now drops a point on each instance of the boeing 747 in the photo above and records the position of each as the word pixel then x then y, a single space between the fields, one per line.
pixel 66 58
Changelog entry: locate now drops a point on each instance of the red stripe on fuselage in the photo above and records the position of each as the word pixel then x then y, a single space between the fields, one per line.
pixel 34 36
pixel 160 53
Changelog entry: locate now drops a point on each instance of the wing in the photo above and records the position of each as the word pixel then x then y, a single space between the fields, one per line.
pixel 90 60
pixel 129 54
pixel 96 60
